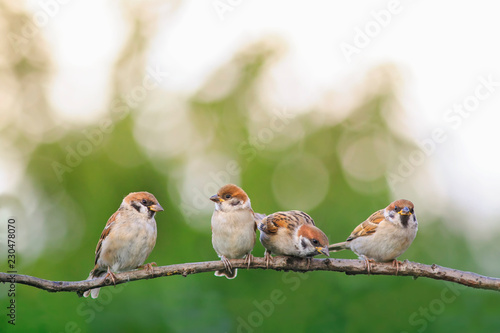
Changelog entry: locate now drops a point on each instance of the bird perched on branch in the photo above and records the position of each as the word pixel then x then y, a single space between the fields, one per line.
pixel 127 239
pixel 385 235
pixel 292 233
pixel 233 227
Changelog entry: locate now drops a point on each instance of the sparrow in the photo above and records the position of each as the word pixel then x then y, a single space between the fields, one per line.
pixel 385 235
pixel 127 239
pixel 234 226
pixel 292 233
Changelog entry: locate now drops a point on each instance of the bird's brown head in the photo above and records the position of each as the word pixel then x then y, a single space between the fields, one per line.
pixel 313 240
pixel 143 202
pixel 400 211
pixel 230 197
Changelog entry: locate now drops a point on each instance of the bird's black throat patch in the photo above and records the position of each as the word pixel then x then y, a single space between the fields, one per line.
pixel 404 220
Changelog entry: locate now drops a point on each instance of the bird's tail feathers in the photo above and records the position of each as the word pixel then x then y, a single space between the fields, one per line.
pixel 92 292
pixel 338 247
pixel 226 273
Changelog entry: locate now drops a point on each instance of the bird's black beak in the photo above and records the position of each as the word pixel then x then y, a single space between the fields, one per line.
pixel 215 198
pixel 156 208
pixel 323 250
pixel 405 211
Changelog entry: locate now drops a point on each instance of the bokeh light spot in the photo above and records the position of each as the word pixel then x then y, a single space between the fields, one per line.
pixel 300 182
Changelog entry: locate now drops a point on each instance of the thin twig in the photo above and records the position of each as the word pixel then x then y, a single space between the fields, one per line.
pixel 348 266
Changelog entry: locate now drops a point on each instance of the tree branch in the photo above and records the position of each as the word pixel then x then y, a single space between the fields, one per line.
pixel 348 266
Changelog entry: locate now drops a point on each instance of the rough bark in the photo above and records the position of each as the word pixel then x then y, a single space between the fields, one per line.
pixel 348 266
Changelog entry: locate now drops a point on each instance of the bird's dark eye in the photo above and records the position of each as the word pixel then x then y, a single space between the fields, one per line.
pixel 227 196
pixel 144 202
pixel 411 210
pixel 397 209
pixel 315 242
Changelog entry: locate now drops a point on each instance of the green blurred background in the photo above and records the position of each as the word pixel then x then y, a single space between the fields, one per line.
pixel 333 159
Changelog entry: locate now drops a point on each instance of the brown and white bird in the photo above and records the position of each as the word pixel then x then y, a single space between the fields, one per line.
pixel 292 233
pixel 233 227
pixel 385 235
pixel 127 239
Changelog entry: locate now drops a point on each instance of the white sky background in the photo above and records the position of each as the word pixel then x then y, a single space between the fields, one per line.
pixel 441 47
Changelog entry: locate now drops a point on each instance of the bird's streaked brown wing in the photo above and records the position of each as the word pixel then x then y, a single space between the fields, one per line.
pixel 369 226
pixel 105 233
pixel 271 223
pixel 301 217
pixel 285 220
